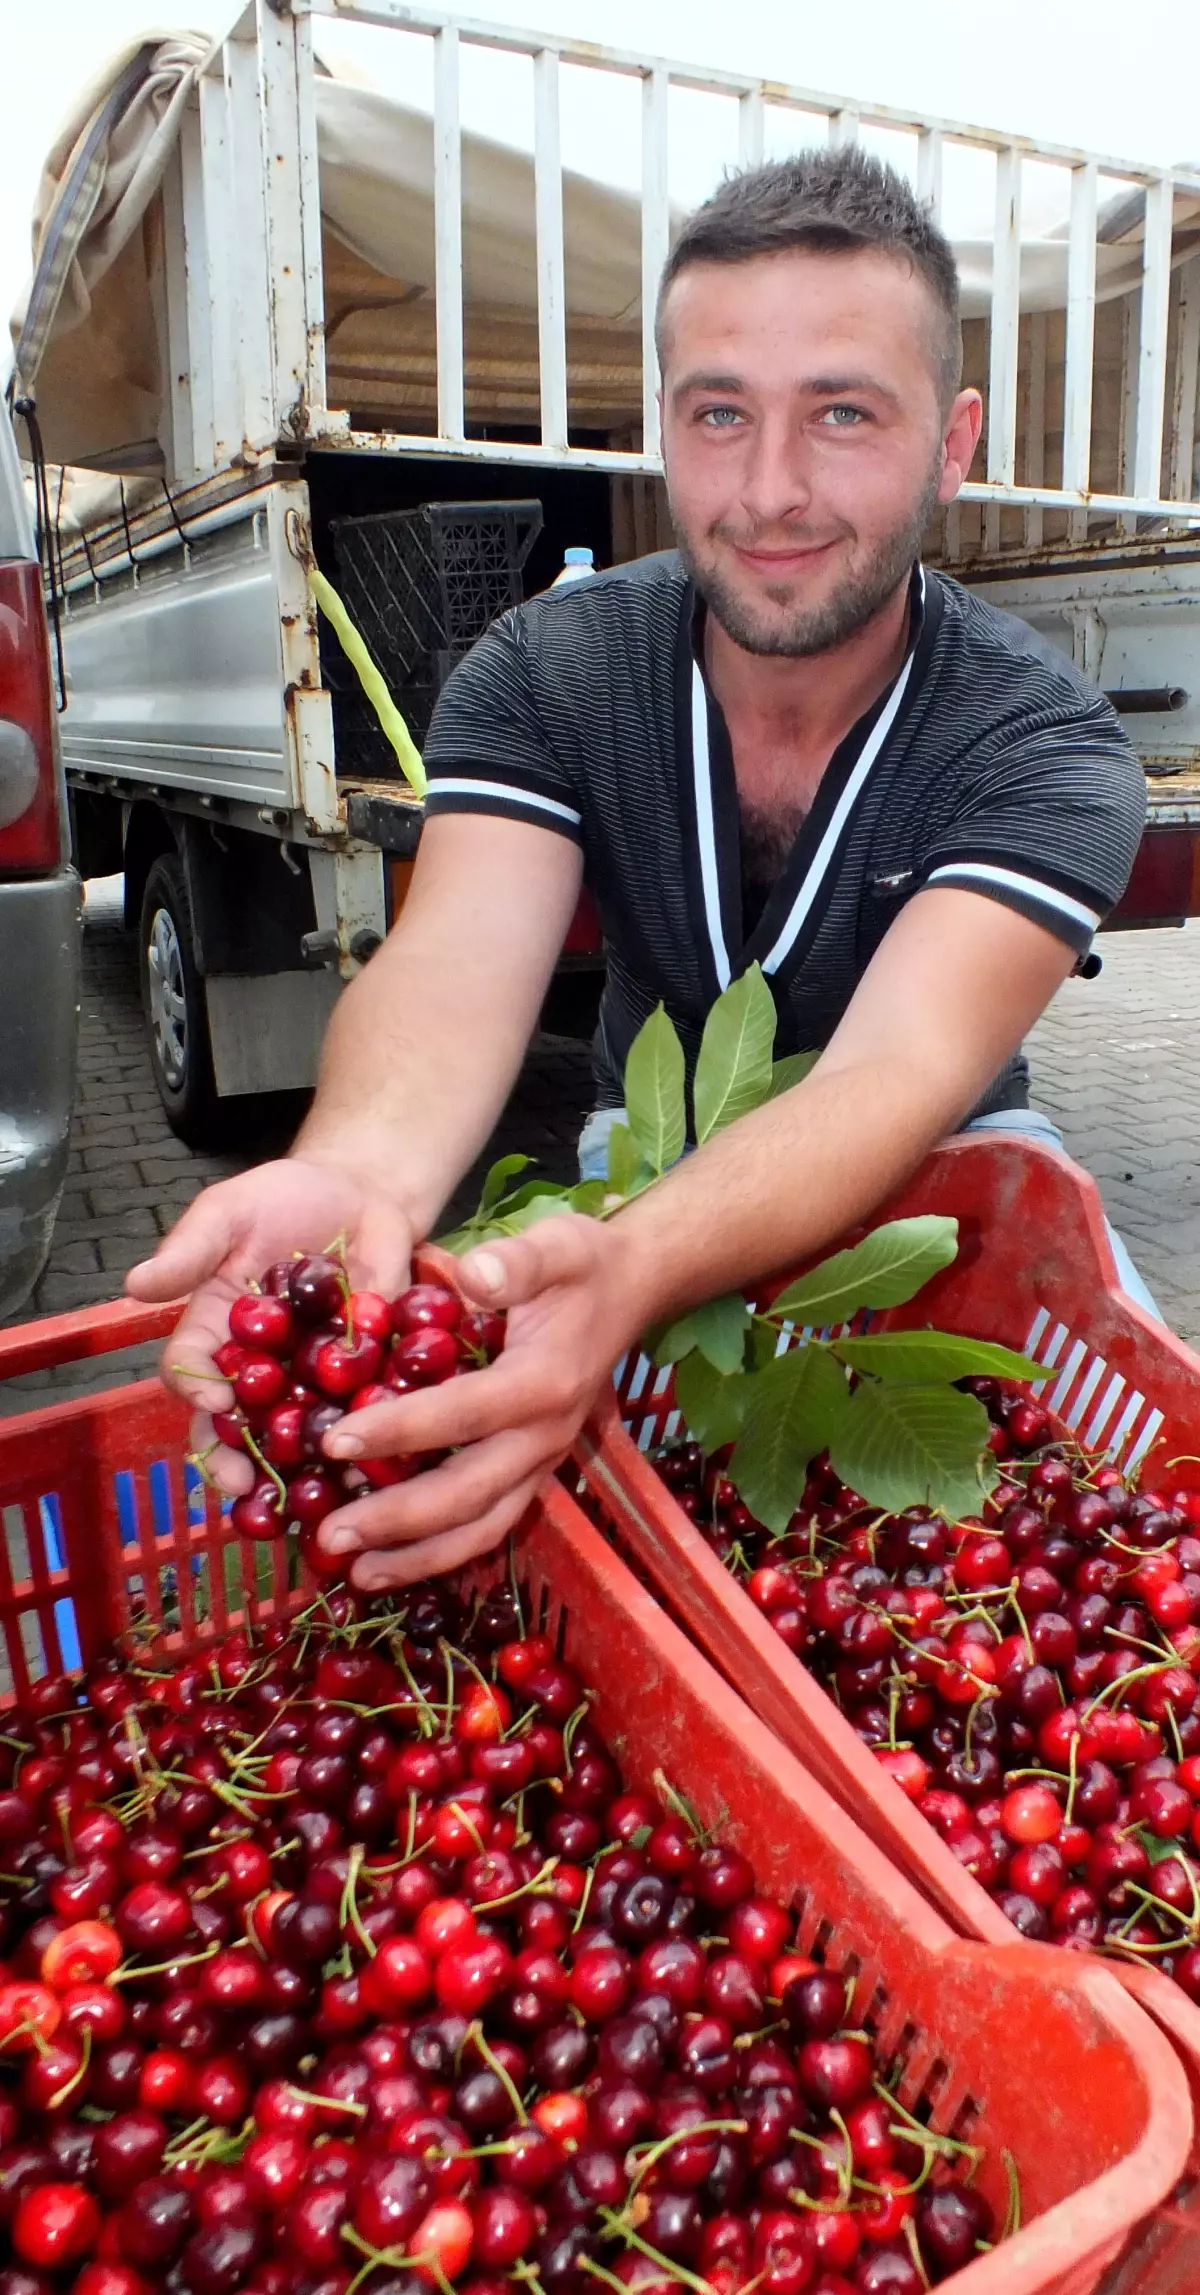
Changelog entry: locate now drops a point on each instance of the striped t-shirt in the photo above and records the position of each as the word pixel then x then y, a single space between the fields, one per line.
pixel 989 764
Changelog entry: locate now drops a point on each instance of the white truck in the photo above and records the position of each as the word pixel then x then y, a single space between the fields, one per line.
pixel 279 318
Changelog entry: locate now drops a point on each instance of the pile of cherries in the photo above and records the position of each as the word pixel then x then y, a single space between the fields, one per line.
pixel 338 1957
pixel 1030 1677
pixel 303 1349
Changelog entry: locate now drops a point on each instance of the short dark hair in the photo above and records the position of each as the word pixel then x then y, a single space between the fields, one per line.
pixel 835 202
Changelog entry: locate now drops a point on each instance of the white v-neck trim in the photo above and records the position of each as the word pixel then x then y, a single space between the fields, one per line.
pixel 822 858
pixel 705 827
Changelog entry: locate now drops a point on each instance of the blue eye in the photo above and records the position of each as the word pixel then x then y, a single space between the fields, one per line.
pixel 853 415
pixel 720 417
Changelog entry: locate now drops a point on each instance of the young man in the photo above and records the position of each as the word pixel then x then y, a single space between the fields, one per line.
pixel 786 743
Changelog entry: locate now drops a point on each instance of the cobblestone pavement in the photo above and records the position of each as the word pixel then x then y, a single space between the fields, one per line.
pixel 1116 1063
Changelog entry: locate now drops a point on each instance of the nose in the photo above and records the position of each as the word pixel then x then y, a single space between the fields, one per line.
pixel 775 488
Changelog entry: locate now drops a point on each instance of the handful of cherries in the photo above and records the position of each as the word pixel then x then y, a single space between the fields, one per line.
pixel 340 1958
pixel 1029 1676
pixel 303 1349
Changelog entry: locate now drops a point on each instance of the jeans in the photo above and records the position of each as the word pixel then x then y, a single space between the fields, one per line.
pixel 1029 1122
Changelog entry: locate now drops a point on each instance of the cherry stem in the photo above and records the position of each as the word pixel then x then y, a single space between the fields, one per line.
pixel 390 2259
pixel 624 2230
pixel 1072 1777
pixel 475 2032
pixel 267 1469
pixel 35 2032
pixel 348 1912
pixel 657 2151
pixel 162 1967
pixel 327 2103
pixel 597 2271
pixel 682 1808
pixel 1012 2214
pixel 570 1728
pixel 1123 1682
pixel 947 2145
pixel 537 1887
pixel 846 2173
pixel 464 1819
pixel 1014 1604
pixel 913 2245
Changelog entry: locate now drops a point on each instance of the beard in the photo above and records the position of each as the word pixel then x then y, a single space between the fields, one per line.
pixel 797 630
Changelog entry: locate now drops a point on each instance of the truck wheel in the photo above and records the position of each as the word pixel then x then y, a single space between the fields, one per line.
pixel 174 1006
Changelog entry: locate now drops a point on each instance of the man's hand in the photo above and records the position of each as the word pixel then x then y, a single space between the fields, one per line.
pixel 573 1300
pixel 230 1235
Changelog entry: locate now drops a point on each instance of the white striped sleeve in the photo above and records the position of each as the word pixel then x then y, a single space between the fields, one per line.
pixel 488 749
pixel 1048 822
pixel 1063 913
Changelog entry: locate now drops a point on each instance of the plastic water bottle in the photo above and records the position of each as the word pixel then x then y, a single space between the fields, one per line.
pixel 577 565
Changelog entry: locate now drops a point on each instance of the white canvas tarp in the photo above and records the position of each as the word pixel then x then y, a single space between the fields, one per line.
pixel 88 336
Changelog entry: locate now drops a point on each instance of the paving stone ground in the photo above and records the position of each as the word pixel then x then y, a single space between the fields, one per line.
pixel 1116 1062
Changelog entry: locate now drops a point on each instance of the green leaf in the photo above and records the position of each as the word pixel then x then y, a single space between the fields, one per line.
pixel 884 1270
pixel 548 1203
pixel 713 1405
pixel 793 1070
pixel 494 1184
pixel 1155 1847
pixel 527 1194
pixel 654 1091
pixel 587 1197
pixel 764 1344
pixel 733 1072
pixel 628 1170
pixel 901 1446
pixel 918 1358
pixel 794 1409
pixel 717 1329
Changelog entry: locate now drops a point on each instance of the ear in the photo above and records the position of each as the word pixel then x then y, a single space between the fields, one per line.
pixel 959 441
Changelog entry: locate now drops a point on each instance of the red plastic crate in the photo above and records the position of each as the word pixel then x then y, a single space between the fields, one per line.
pixel 1035 1272
pixel 1084 2091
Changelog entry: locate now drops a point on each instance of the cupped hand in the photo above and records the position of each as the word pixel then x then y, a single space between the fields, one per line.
pixel 572 1311
pixel 227 1238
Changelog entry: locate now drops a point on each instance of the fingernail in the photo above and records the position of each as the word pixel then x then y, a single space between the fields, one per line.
pixel 485 1269
pixel 338 1541
pixel 343 1446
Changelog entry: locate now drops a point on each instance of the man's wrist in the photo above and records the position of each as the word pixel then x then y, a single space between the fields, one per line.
pixel 364 1154
pixel 643 1294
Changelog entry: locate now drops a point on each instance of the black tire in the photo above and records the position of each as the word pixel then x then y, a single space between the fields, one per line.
pixel 175 1009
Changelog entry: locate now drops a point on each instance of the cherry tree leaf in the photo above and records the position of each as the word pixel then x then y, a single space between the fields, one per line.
pixel 628 1170
pixel 901 1446
pixel 792 1070
pixel 717 1330
pixel 733 1072
pixel 884 1270
pixel 496 1181
pixel 713 1404
pixel 795 1408
pixel 918 1358
pixel 654 1101
pixel 547 1203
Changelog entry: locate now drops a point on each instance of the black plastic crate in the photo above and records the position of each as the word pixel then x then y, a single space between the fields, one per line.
pixel 422 586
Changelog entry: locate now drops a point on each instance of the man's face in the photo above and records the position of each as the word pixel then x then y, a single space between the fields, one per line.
pixel 804 440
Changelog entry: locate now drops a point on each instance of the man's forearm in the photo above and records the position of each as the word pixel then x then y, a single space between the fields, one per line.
pixel 407 1092
pixel 777 1186
pixel 425 1045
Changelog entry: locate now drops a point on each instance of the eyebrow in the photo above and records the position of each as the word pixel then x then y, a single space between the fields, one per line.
pixel 816 386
